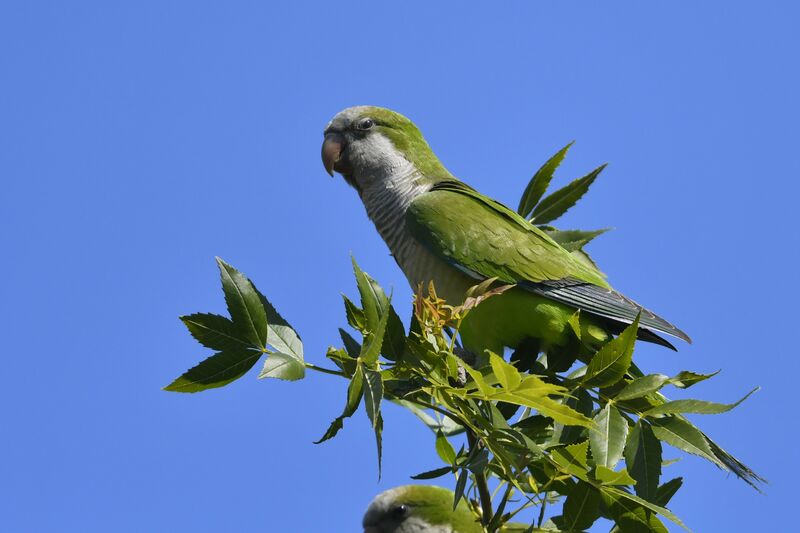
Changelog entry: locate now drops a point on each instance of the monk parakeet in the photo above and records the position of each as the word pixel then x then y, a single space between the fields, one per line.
pixel 442 230
pixel 419 509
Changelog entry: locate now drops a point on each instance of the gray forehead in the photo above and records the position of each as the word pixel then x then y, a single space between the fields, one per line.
pixel 382 503
pixel 345 117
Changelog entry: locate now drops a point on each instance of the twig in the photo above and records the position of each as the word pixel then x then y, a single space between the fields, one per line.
pixel 483 486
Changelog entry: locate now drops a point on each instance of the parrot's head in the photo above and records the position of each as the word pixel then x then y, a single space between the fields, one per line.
pixel 367 143
pixel 418 508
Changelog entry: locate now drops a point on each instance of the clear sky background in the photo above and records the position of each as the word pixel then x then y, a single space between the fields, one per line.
pixel 137 142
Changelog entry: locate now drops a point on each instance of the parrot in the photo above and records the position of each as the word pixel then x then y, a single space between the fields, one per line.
pixel 439 229
pixel 419 509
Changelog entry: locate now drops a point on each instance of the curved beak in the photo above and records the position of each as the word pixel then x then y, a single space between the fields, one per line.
pixel 332 149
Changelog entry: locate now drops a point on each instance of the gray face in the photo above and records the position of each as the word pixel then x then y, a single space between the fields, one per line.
pixel 355 148
pixel 389 514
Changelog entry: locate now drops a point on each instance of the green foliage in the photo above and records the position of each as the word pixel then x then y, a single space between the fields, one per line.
pixel 591 437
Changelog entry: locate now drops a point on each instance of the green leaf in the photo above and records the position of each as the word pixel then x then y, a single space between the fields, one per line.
pixel 665 492
pixel 622 495
pixel 280 334
pixel 642 387
pixel 540 181
pixel 373 342
pixel 684 436
pixel 445 425
pixel 612 361
pixel 282 366
pixel 355 316
pixel 574 240
pixel 444 449
pixel 557 411
pixel 373 394
pixel 555 205
pixel 214 331
pixel 643 458
pixel 581 508
pixel 354 393
pixel 608 476
pixel 369 298
pixel 631 517
pixel 461 484
pixel 351 346
pixel 379 442
pixel 694 406
pixel 244 304
pixel 607 441
pixel 484 388
pixel 572 459
pixel 686 379
pixel 506 373
pixel 394 339
pixel 216 371
pixel 432 474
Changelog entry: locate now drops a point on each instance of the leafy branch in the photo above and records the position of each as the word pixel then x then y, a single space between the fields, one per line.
pixel 514 436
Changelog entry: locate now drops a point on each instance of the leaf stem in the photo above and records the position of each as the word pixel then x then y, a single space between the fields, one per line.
pixel 483 486
pixel 311 366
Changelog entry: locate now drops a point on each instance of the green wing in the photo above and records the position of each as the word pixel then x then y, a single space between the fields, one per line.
pixel 486 239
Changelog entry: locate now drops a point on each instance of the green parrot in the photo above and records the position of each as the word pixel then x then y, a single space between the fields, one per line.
pixel 440 229
pixel 419 509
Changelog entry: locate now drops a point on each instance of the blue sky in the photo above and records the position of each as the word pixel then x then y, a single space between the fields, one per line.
pixel 137 142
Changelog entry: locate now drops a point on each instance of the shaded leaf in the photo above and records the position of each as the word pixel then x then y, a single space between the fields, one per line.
pixel 354 314
pixel 282 366
pixel 244 304
pixel 694 406
pixel 373 394
pixel 461 484
pixel 643 459
pixel 394 339
pixel 622 495
pixel 540 181
pixel 444 449
pixel 686 379
pixel 607 440
pixel 373 342
pixel 280 334
pixel 684 436
pixel 581 508
pixel 556 204
pixel 613 359
pixel 432 474
pixel 215 332
pixel 216 371
pixel 665 492
pixel 351 346
pixel 642 387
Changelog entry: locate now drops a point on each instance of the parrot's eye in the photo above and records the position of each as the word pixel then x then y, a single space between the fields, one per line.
pixel 365 124
pixel 400 511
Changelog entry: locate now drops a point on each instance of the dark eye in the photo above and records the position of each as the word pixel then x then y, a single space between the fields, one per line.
pixel 400 511
pixel 365 123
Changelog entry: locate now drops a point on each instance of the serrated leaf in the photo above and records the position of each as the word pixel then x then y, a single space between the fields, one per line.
pixel 354 314
pixel 683 435
pixel 540 181
pixel 665 492
pixel 394 339
pixel 643 456
pixel 506 373
pixel 280 334
pixel 561 413
pixel 573 240
pixel 369 298
pixel 608 476
pixel 461 484
pixel 244 304
pixel 694 406
pixel 642 387
pixel 666 513
pixel 379 442
pixel 572 459
pixel 354 394
pixel 630 517
pixel 581 508
pixel 484 388
pixel 575 323
pixel 556 204
pixel 216 371
pixel 351 346
pixel 607 440
pixel 373 394
pixel 613 359
pixel 214 331
pixel 282 366
pixel 444 449
pixel 686 379
pixel 371 348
